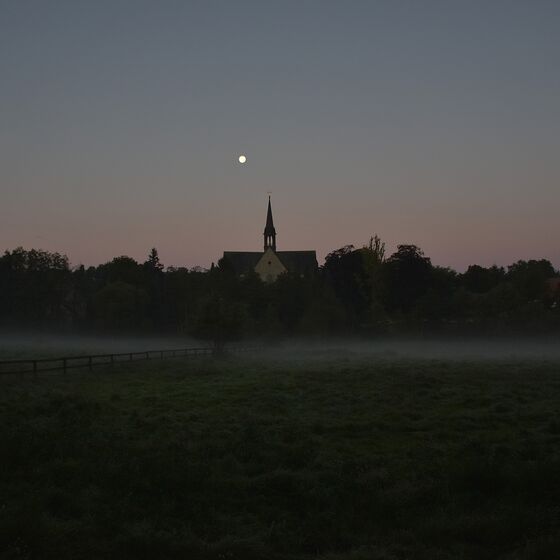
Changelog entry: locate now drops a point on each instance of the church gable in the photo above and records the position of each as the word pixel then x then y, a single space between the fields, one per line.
pixel 269 266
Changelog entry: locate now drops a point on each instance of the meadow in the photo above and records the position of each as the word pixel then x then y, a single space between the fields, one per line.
pixel 327 455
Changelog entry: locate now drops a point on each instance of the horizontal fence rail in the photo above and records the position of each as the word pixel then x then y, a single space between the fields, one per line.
pixel 65 363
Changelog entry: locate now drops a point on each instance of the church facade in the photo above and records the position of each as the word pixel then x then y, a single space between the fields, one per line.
pixel 270 263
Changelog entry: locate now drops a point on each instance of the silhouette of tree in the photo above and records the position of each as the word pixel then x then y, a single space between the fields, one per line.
pixel 358 290
pixel 376 248
pixel 439 303
pixel 479 280
pixel 346 271
pixel 154 286
pixel 35 287
pixel 373 255
pixel 153 262
pixel 119 306
pixel 124 268
pixel 219 320
pixel 529 277
pixel 408 274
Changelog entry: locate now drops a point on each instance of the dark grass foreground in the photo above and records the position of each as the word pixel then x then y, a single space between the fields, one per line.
pixel 330 459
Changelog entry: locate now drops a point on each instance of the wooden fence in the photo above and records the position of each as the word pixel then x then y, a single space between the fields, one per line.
pixel 73 362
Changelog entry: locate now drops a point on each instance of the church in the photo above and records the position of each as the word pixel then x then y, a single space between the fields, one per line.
pixel 270 263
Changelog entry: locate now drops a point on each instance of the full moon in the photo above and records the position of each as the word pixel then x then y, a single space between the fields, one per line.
pixel 242 159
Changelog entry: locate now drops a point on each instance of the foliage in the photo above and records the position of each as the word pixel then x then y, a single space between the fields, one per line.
pixel 119 306
pixel 356 291
pixel 35 288
pixel 408 273
pixel 219 320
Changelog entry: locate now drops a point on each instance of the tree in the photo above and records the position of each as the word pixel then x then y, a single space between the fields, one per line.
pixel 324 314
pixel 345 270
pixel 373 256
pixel 124 269
pixel 376 248
pixel 153 262
pixel 120 306
pixel 407 277
pixel 34 287
pixel 529 277
pixel 440 302
pixel 479 280
pixel 219 320
pixel 153 283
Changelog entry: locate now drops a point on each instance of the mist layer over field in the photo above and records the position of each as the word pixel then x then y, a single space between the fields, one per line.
pixel 444 349
pixel 37 345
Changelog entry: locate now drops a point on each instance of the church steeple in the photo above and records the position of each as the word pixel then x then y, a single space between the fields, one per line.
pixel 269 231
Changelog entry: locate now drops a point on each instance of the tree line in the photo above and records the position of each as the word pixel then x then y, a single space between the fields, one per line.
pixel 358 290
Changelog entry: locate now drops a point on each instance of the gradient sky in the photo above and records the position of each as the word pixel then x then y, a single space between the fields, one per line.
pixel 434 123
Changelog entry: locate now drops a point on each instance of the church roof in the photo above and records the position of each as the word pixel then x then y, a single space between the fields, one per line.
pixel 242 261
pixel 299 262
pixel 296 262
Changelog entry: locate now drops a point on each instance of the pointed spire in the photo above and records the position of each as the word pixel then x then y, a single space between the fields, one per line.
pixel 269 231
pixel 269 228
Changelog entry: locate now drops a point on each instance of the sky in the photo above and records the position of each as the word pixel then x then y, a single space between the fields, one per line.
pixel 424 122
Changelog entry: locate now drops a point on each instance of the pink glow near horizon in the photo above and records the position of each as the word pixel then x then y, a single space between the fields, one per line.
pixel 435 125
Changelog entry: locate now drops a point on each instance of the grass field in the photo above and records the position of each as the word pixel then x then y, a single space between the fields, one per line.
pixel 331 457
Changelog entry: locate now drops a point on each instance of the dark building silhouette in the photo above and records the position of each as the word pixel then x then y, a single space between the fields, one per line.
pixel 271 263
pixel 269 230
